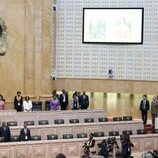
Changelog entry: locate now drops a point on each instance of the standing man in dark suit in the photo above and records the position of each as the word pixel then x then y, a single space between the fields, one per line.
pixel 144 108
pixel 84 101
pixel 5 132
pixel 63 100
pixel 25 134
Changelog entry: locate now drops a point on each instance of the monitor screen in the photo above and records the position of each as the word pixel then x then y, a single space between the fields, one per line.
pixel 113 25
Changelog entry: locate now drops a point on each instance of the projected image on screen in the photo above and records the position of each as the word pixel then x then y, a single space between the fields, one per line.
pixel 109 25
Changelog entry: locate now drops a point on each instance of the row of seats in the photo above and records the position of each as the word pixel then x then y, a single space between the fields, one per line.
pixel 61 121
pixel 80 135
pixel 37 105
pixel 15 138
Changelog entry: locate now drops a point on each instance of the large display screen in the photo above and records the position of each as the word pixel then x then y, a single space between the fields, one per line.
pixel 113 25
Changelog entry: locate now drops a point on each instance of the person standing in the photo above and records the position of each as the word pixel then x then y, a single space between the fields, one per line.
pixel 154 110
pixel 2 102
pixel 54 92
pixel 63 100
pixel 5 132
pixel 27 104
pixel 84 101
pixel 18 102
pixel 144 108
pixel 54 103
pixel 74 102
pixel 89 146
pixel 25 134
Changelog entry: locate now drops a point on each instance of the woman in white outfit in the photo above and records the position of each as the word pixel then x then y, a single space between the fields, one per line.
pixel 27 104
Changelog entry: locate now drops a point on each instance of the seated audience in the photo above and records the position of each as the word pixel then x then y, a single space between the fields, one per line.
pixel 54 103
pixel 60 156
pixel 18 102
pixel 25 134
pixel 5 132
pixel 84 101
pixel 74 102
pixel 2 102
pixel 27 104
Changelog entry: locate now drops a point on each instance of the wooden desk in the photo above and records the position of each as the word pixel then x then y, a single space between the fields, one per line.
pixel 20 117
pixel 72 148
pixel 74 129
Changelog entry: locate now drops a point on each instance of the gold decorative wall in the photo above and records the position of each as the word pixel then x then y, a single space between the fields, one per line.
pixel 27 64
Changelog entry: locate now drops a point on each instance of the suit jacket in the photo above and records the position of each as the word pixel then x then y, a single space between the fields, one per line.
pixel 147 105
pixel 5 133
pixel 84 101
pixel 91 145
pixel 18 104
pixel 25 136
pixel 154 107
pixel 61 99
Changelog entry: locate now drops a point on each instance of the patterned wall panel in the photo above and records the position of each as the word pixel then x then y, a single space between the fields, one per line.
pixel 137 144
pixel 22 152
pixel 53 150
pixel 72 150
pixel 5 153
pixel 38 151
pixel 148 144
pixel 77 60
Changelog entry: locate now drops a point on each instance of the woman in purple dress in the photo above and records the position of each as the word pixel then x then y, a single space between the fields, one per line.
pixel 54 103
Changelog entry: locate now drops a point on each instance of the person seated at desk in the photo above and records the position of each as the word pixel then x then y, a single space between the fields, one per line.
pixel 5 132
pixel 27 104
pixel 25 134
pixel 89 146
pixel 2 102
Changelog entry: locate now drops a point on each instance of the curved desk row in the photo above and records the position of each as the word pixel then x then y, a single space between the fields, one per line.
pixel 72 148
pixel 74 129
pixel 20 117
